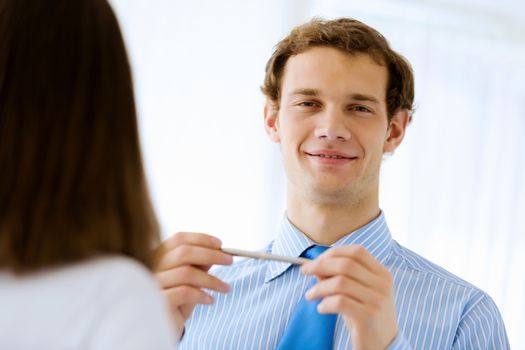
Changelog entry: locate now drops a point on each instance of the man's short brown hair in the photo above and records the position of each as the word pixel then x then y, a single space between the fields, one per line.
pixel 353 37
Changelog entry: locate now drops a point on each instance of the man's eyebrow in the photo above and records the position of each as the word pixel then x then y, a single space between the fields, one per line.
pixel 315 92
pixel 362 97
pixel 306 92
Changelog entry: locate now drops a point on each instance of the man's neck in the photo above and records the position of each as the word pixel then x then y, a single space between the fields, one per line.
pixel 327 223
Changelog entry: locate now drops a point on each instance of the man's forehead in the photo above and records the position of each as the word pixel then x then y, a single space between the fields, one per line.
pixel 320 70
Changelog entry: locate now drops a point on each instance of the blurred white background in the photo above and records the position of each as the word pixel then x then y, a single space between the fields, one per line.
pixel 455 190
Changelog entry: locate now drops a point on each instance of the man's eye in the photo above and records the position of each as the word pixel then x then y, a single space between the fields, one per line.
pixel 307 104
pixel 360 109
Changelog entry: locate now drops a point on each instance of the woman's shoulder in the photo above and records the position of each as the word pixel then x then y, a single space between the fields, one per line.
pixel 111 268
pixel 103 268
pixel 95 281
pixel 111 279
pixel 117 298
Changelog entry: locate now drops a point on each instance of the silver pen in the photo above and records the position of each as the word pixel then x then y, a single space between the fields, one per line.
pixel 264 256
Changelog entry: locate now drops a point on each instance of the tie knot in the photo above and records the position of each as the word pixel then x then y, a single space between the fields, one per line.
pixel 314 251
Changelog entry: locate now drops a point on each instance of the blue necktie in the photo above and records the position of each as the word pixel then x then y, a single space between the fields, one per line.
pixel 307 328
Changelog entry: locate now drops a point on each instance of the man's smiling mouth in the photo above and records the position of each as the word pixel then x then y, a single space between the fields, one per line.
pixel 327 156
pixel 330 155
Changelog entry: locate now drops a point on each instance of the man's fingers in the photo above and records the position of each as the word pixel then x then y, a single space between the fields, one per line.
pixel 359 254
pixel 338 304
pixel 192 276
pixel 186 310
pixel 341 285
pixel 190 248
pixel 186 295
pixel 182 271
pixel 191 238
pixel 193 255
pixel 340 266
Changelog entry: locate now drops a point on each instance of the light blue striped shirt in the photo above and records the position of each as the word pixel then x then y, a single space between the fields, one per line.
pixel 436 310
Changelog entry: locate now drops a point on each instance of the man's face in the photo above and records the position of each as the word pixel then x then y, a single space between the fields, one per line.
pixel 332 124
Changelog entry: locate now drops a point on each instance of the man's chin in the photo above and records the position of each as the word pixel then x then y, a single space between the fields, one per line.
pixel 331 194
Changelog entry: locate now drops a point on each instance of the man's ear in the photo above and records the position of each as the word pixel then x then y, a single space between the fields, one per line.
pixel 271 120
pixel 396 130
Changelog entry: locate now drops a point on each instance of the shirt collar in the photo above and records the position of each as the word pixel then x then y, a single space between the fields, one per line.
pixel 374 236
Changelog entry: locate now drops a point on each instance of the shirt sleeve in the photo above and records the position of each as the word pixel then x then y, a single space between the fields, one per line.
pixel 135 315
pixel 481 326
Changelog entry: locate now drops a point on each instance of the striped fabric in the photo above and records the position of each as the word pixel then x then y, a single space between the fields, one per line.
pixel 436 310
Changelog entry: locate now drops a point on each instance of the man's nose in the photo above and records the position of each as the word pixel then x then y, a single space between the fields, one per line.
pixel 332 126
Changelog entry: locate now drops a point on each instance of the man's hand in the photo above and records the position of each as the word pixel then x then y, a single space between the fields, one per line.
pixel 354 284
pixel 182 271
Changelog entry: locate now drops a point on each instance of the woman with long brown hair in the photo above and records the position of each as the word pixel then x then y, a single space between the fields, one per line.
pixel 77 229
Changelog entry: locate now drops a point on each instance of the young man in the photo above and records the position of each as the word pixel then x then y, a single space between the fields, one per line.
pixel 338 99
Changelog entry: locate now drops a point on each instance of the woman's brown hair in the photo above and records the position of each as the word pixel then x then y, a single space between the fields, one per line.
pixel 72 184
pixel 352 37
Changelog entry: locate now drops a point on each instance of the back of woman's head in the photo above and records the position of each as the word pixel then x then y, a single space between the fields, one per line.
pixel 72 184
